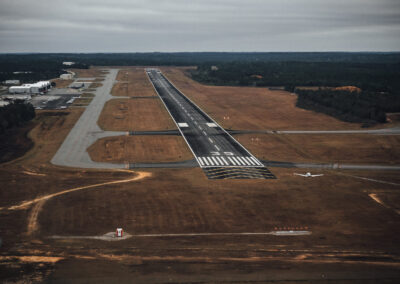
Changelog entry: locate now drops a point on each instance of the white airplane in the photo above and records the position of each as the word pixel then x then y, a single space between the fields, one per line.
pixel 308 174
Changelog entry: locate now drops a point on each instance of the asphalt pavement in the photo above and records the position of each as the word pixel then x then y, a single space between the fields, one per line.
pixel 73 151
pixel 211 145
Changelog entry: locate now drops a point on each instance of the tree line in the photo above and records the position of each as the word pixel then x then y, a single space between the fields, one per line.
pixel 371 76
pixel 365 107
pixel 15 114
pixel 32 67
pixel 49 65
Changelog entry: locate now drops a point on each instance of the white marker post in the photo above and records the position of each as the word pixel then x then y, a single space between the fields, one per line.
pixel 119 232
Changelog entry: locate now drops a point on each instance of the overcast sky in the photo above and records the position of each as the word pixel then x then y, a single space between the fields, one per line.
pixel 199 25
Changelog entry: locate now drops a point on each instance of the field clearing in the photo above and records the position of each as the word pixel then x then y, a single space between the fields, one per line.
pixel 253 108
pixel 60 83
pixel 51 130
pixel 354 148
pixel 135 114
pixel 133 83
pixel 87 95
pixel 140 149
pixel 183 201
pixel 86 80
pixel 95 85
pixel 89 73
pixel 82 101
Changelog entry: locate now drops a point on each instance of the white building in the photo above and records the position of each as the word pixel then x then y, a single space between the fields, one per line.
pixel 67 76
pixel 36 88
pixel 24 89
pixel 68 63
pixel 11 82
pixel 4 103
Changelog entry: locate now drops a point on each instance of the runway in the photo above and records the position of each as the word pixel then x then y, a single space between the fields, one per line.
pixel 210 144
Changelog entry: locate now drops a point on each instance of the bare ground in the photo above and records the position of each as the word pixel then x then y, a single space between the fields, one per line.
pixel 135 114
pixel 133 82
pixel 353 148
pixel 140 149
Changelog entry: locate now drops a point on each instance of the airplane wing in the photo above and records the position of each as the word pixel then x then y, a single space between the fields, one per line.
pixel 299 174
pixel 317 175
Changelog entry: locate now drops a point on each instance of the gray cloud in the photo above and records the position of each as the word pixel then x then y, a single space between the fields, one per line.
pixel 199 25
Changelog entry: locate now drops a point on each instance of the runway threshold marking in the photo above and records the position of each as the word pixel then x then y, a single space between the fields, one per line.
pixel 252 168
pixel 238 173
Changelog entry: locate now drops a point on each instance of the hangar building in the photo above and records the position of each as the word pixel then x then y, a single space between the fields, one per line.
pixel 36 88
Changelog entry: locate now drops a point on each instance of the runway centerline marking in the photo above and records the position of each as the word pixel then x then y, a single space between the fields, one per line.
pixel 218 138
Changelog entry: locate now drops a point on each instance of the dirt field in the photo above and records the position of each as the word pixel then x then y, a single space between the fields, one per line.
pixel 95 85
pixel 92 72
pixel 353 215
pixel 87 95
pixel 252 108
pixel 133 82
pixel 347 232
pixel 82 101
pixel 135 114
pixel 355 148
pixel 140 149
pixel 60 83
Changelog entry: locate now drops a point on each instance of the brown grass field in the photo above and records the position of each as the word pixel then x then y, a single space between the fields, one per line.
pixel 140 149
pixel 133 82
pixel 86 80
pixel 355 148
pixel 354 221
pixel 60 83
pixel 252 108
pixel 87 95
pixel 135 114
pixel 95 85
pixel 82 101
pixel 92 72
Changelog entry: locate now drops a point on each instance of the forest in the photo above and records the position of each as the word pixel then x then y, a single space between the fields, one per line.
pixel 364 107
pixel 382 77
pixel 15 114
pixel 44 66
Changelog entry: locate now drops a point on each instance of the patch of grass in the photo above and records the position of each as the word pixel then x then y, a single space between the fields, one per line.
pixel 60 83
pixel 324 148
pixel 87 95
pixel 138 114
pixel 133 82
pixel 140 149
pixel 82 101
pixel 95 85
